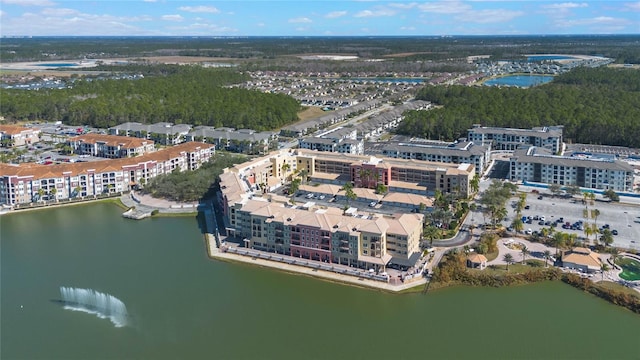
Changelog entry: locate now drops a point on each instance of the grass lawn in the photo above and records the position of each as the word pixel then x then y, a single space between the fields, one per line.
pixel 492 255
pixel 518 268
pixel 617 287
pixel 310 113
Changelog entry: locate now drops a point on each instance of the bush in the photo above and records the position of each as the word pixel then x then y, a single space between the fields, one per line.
pixel 155 212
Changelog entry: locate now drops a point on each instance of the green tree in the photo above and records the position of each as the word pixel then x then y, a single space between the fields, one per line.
pixel 603 268
pixel 508 258
pixel 524 252
pixel 348 192
pixel 606 238
pixel 431 232
pixel 547 256
pixel 611 195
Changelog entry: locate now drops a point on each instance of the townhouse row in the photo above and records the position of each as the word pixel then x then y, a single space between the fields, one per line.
pixel 29 182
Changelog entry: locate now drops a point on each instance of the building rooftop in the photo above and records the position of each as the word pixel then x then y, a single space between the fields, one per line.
pixel 542 132
pixel 535 155
pixel 112 140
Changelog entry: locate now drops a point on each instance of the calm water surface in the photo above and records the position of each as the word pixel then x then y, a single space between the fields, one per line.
pixel 519 80
pixel 183 305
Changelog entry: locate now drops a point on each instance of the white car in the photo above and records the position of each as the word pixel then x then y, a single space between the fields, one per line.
pixel 309 196
pixel 321 197
pixel 529 232
pixel 372 204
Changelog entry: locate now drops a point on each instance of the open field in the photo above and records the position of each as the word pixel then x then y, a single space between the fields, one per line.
pixel 310 112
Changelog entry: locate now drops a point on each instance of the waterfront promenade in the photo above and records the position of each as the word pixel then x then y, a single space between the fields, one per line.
pixel 312 268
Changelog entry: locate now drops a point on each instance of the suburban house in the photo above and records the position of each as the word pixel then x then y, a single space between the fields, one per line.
pixel 241 140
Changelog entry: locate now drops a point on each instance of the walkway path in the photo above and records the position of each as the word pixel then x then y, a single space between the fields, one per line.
pixel 147 203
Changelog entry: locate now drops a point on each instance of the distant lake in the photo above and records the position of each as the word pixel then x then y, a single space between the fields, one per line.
pixel 537 58
pixel 57 64
pixel 519 80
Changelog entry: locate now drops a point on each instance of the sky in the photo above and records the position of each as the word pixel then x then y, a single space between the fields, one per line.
pixel 316 18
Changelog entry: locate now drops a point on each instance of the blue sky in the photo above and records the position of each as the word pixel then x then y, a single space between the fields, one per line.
pixel 316 18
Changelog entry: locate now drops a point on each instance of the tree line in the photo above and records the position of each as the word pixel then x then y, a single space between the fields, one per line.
pixel 178 94
pixel 595 105
pixel 192 185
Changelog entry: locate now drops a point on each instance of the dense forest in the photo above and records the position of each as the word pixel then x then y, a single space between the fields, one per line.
pixel 623 48
pixel 177 94
pixel 191 185
pixel 598 106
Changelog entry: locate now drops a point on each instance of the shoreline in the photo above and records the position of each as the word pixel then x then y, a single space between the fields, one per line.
pixel 215 254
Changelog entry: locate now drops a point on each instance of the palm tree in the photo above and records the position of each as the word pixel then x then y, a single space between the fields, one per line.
pixel 431 233
pixel 53 193
pixel 594 214
pixel 475 184
pixel 517 224
pixel 500 214
pixel 41 193
pixel 348 191
pixel 508 258
pixel 547 255
pixel 607 238
pixel 603 268
pixel 524 252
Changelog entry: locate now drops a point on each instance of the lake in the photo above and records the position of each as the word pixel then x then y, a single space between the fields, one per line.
pixel 182 305
pixel 519 80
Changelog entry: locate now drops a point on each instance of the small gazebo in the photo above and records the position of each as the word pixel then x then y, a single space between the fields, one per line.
pixel 477 261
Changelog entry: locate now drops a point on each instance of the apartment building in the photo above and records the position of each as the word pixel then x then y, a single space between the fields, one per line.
pixel 162 133
pixel 26 183
pixel 241 140
pixel 538 165
pixel 463 152
pixel 110 146
pixel 396 174
pixel 367 242
pixel 14 135
pixel 548 137
pixel 343 146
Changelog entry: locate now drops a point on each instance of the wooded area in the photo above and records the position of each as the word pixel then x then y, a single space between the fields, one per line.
pixel 177 94
pixel 596 106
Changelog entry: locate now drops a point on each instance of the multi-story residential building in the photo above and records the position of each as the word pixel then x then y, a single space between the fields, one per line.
pixel 367 242
pixel 537 165
pixel 343 146
pixel 464 152
pixel 163 133
pixel 110 146
pixel 395 174
pixel 14 135
pixel 25 183
pixel 241 140
pixel 549 138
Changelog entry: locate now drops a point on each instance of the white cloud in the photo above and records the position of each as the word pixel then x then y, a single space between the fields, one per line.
pixel 404 6
pixel 445 7
pixel 199 9
pixel 335 14
pixel 260 24
pixel 200 28
pixel 407 28
pixel 150 1
pixel 489 16
pixel 634 6
pixel 567 5
pixel 174 17
pixel 58 12
pixel 599 20
pixel 28 2
pixel 300 20
pixel 375 13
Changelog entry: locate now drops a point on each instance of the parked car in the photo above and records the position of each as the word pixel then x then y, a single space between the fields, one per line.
pixel 614 232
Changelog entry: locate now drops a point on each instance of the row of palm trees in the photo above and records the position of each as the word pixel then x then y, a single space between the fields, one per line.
pixel 524 251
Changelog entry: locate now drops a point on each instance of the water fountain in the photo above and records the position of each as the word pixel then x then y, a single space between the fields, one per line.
pixel 104 306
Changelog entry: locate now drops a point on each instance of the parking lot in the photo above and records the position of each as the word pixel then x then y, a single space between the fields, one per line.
pixel 624 218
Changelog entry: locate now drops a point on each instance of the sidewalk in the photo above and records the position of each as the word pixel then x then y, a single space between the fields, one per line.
pixel 147 203
pixel 216 253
